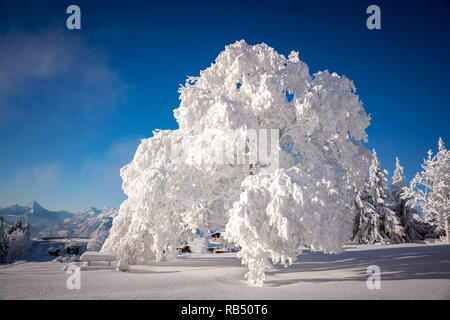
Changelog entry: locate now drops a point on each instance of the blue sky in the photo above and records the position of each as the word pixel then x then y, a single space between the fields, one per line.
pixel 75 104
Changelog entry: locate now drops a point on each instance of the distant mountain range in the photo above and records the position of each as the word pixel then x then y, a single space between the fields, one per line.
pixel 90 222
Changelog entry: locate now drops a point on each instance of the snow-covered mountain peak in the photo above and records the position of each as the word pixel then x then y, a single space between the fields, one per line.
pixel 35 208
pixel 91 211
pixel 47 223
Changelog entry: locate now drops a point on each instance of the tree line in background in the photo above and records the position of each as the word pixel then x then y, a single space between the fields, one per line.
pixel 14 241
pixel 384 216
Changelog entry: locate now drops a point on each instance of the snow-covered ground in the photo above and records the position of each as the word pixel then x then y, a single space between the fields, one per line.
pixel 408 271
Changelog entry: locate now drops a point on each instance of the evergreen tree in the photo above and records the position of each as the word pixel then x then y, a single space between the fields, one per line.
pixel 430 190
pixel 367 221
pixel 375 222
pixel 415 228
pixel 3 241
pixel 18 240
pixel 16 226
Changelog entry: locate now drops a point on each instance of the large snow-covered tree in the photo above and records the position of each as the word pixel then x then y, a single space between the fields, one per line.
pixel 430 190
pixel 415 228
pixel 375 221
pixel 263 149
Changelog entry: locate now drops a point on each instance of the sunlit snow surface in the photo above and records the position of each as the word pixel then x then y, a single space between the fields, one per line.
pixel 408 271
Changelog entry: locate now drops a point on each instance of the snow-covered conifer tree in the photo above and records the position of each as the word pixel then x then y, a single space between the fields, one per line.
pixel 375 222
pixel 18 240
pixel 415 228
pixel 430 190
pixel 3 241
pixel 367 221
pixel 199 176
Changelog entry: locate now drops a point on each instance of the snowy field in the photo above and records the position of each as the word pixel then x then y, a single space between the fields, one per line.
pixel 408 271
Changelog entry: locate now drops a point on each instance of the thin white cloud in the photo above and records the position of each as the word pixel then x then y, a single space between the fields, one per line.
pixel 104 168
pixel 24 56
pixel 58 69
